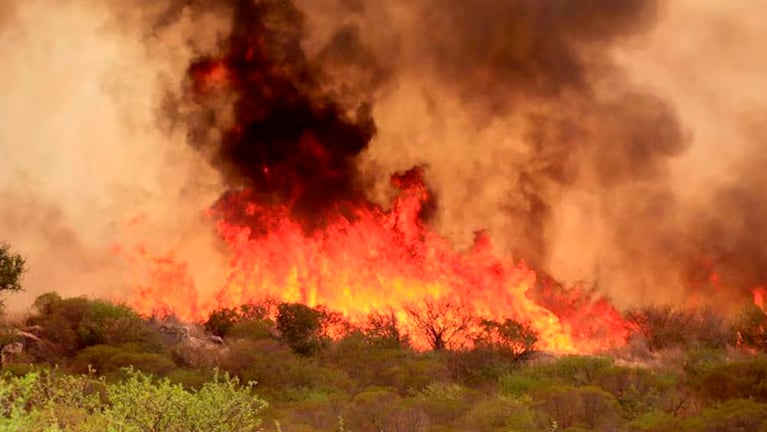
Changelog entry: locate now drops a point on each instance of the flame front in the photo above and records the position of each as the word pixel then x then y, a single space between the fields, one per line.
pixel 370 260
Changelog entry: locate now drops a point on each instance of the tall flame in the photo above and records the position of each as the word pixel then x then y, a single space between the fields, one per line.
pixel 372 259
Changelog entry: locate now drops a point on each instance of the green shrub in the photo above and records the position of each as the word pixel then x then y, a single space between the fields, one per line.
pixel 77 323
pixel 106 359
pixel 301 327
pixel 252 329
pixel 523 382
pixel 589 407
pixel 499 414
pixel 741 379
pixel 145 405
pixel 637 390
pixel 381 409
pixel 221 321
pixel 277 370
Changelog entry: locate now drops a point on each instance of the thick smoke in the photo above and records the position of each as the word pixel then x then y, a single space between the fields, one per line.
pixel 584 136
pixel 291 139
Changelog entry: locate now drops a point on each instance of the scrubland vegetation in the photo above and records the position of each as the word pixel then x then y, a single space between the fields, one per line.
pixel 77 364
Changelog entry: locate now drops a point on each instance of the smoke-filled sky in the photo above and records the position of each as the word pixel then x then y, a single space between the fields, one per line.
pixel 611 143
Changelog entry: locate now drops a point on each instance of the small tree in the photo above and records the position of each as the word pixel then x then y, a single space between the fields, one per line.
pixel 509 337
pixel 12 267
pixel 443 322
pixel 382 330
pixel 221 321
pixel 300 327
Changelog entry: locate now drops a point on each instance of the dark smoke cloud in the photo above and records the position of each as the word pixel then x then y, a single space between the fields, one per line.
pixel 292 138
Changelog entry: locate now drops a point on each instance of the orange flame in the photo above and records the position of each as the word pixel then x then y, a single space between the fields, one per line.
pixel 759 296
pixel 374 260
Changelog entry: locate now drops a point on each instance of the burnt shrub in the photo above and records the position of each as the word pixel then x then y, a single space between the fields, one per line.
pixel 663 327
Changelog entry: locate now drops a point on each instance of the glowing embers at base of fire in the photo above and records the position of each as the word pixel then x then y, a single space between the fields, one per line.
pixel 367 259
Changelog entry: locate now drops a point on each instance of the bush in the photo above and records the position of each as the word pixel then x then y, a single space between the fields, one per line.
pixel 638 391
pixel 107 359
pixel 385 366
pixel 588 407
pixel 731 416
pixel 146 405
pixel 221 321
pixel 663 327
pixel 252 330
pixel 741 379
pixel 380 409
pixel 77 323
pixel 497 414
pixel 301 327
pixel 510 337
pixel 278 371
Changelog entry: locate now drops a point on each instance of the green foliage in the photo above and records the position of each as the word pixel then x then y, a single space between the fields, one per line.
pixel 367 379
pixel 278 371
pixel 300 327
pixel 499 414
pixel 12 267
pixel 741 379
pixel 145 405
pixel 379 365
pixel 380 409
pixel 577 370
pixel 638 391
pixel 523 382
pixel 731 416
pixel 256 329
pixel 77 323
pixel 107 359
pixel 588 407
pixel 50 401
pixel 221 321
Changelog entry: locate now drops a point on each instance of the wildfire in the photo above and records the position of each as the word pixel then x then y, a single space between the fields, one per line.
pixel 373 260
pixel 302 231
